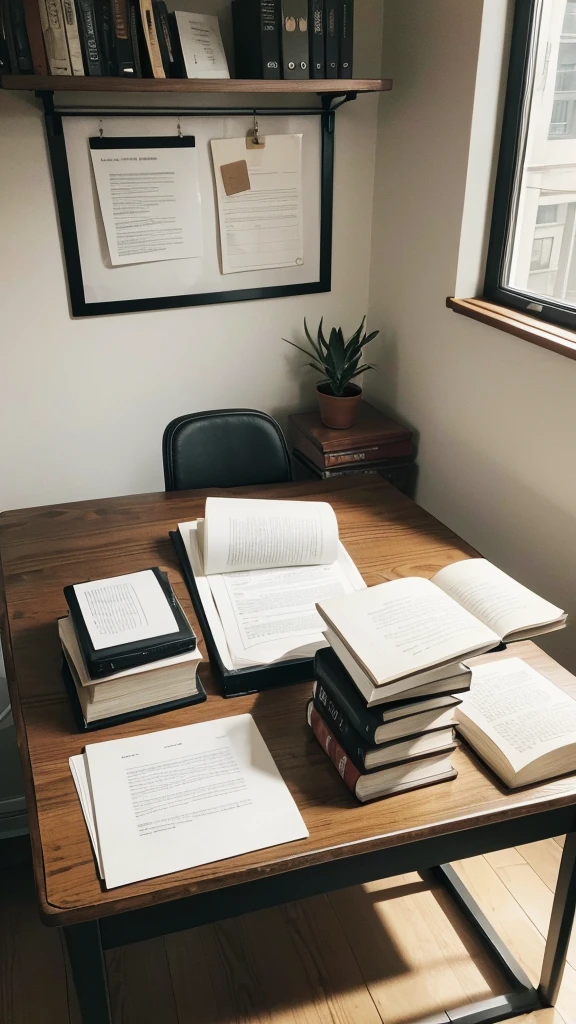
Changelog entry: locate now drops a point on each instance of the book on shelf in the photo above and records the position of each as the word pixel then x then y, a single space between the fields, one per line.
pixel 89 38
pixel 145 689
pixel 54 32
pixel 105 31
pixel 73 37
pixel 336 691
pixel 35 37
pixel 200 42
pixel 259 566
pixel 151 39
pixel 257 26
pixel 124 53
pixel 332 38
pixel 519 722
pixel 317 36
pixel 295 41
pixel 128 620
pixel 346 42
pixel 368 757
pixel 384 782
pixel 5 39
pixel 18 45
pixel 397 629
pixel 137 41
pixel 373 438
pixel 448 679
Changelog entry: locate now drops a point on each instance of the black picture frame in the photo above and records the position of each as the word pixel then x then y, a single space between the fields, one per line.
pixel 63 192
pixel 526 22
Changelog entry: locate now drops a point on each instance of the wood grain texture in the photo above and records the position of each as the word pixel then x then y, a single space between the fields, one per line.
pixel 43 549
pixel 512 321
pixel 65 83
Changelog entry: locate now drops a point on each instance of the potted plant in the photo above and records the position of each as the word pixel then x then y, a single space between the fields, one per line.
pixel 339 362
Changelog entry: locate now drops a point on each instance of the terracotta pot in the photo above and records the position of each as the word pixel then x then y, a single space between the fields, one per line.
pixel 338 411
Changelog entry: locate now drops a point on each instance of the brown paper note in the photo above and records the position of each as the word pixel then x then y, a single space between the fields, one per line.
pixel 235 177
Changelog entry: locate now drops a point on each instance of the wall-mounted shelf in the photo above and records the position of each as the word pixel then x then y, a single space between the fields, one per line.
pixel 66 83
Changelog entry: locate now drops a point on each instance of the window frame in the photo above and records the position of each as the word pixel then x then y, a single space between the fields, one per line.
pixel 545 308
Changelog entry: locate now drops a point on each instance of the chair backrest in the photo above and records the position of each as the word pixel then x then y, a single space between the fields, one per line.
pixel 224 448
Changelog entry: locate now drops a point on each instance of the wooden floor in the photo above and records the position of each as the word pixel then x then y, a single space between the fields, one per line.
pixel 390 951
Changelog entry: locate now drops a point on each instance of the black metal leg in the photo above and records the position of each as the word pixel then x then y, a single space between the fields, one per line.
pixel 560 926
pixel 89 972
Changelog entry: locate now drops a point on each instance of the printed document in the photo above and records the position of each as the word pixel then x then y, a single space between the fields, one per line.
pixel 175 799
pixel 124 609
pixel 149 198
pixel 262 227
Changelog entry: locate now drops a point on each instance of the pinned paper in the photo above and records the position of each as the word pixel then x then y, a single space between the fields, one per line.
pixel 235 177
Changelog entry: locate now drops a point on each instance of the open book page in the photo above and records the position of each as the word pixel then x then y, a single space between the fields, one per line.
pixel 264 616
pixel 256 533
pixel 170 800
pixel 499 601
pixel 519 710
pixel 405 626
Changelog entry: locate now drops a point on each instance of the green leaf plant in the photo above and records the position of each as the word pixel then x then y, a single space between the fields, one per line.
pixel 338 361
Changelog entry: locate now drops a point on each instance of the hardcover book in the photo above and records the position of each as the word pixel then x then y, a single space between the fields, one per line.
pixel 332 38
pixel 316 31
pixel 346 38
pixel 295 41
pixel 125 66
pixel 54 31
pixel 73 37
pixel 257 33
pixel 35 37
pixel 89 39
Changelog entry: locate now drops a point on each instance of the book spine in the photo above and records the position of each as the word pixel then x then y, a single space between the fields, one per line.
pixel 20 38
pixel 316 31
pixel 295 45
pixel 5 62
pixel 341 711
pixel 73 37
pixel 270 24
pixel 122 44
pixel 380 453
pixel 352 742
pixel 347 771
pixel 105 32
pixel 151 38
pixel 52 19
pixel 135 29
pixel 35 37
pixel 163 33
pixel 89 37
pixel 9 44
pixel 346 38
pixel 332 38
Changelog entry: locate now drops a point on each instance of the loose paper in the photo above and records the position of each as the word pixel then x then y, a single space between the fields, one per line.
pixel 149 198
pixel 261 228
pixel 123 609
pixel 201 45
pixel 171 800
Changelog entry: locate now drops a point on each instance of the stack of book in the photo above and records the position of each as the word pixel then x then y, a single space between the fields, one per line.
pixel 129 650
pixel 384 702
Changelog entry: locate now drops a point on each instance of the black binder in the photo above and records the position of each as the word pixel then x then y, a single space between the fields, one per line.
pixel 242 681
pixel 108 660
pixel 295 44
pixel 128 716
pixel 257 38
pixel 332 38
pixel 316 33
pixel 346 38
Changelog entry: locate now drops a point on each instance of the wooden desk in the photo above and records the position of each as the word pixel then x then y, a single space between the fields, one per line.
pixel 388 536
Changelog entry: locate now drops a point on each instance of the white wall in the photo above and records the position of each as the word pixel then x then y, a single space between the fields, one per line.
pixel 83 402
pixel 496 415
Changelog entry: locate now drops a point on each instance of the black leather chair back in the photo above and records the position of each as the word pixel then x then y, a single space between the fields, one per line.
pixel 224 448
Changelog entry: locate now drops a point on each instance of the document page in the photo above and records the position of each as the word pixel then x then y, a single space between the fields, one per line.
pixel 495 598
pixel 520 710
pixel 171 800
pixel 256 533
pixel 404 626
pixel 123 609
pixel 149 197
pixel 261 227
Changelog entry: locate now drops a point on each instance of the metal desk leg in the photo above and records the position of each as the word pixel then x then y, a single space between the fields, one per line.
pixel 89 972
pixel 561 923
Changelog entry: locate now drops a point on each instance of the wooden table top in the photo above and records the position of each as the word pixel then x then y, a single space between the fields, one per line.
pixel 43 549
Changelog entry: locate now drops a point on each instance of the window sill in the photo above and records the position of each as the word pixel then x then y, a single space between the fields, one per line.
pixel 556 339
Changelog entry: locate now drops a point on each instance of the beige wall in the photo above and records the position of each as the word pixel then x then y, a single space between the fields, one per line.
pixel 83 402
pixel 496 415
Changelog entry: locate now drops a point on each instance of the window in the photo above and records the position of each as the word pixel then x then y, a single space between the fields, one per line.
pixel 532 251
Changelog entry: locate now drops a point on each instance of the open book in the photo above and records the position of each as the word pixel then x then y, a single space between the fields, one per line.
pixel 260 567
pixel 519 722
pixel 402 627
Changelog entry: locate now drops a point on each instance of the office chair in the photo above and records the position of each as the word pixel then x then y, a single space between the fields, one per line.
pixel 224 448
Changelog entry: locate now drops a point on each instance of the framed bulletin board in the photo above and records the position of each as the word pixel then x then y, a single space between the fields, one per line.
pixel 97 287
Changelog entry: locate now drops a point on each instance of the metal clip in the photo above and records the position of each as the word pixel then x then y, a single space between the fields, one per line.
pixel 100 128
pixel 253 138
pixel 179 129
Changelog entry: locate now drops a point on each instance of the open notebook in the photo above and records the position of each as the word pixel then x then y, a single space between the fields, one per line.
pixel 260 567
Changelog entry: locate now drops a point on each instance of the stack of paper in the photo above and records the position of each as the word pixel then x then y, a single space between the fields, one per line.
pixel 171 800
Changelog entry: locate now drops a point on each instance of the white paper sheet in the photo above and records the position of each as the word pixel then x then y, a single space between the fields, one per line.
pixel 79 769
pixel 171 800
pixel 123 609
pixel 261 228
pixel 150 202
pixel 201 45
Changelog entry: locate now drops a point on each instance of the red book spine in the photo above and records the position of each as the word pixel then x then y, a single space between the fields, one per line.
pixel 35 37
pixel 336 753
